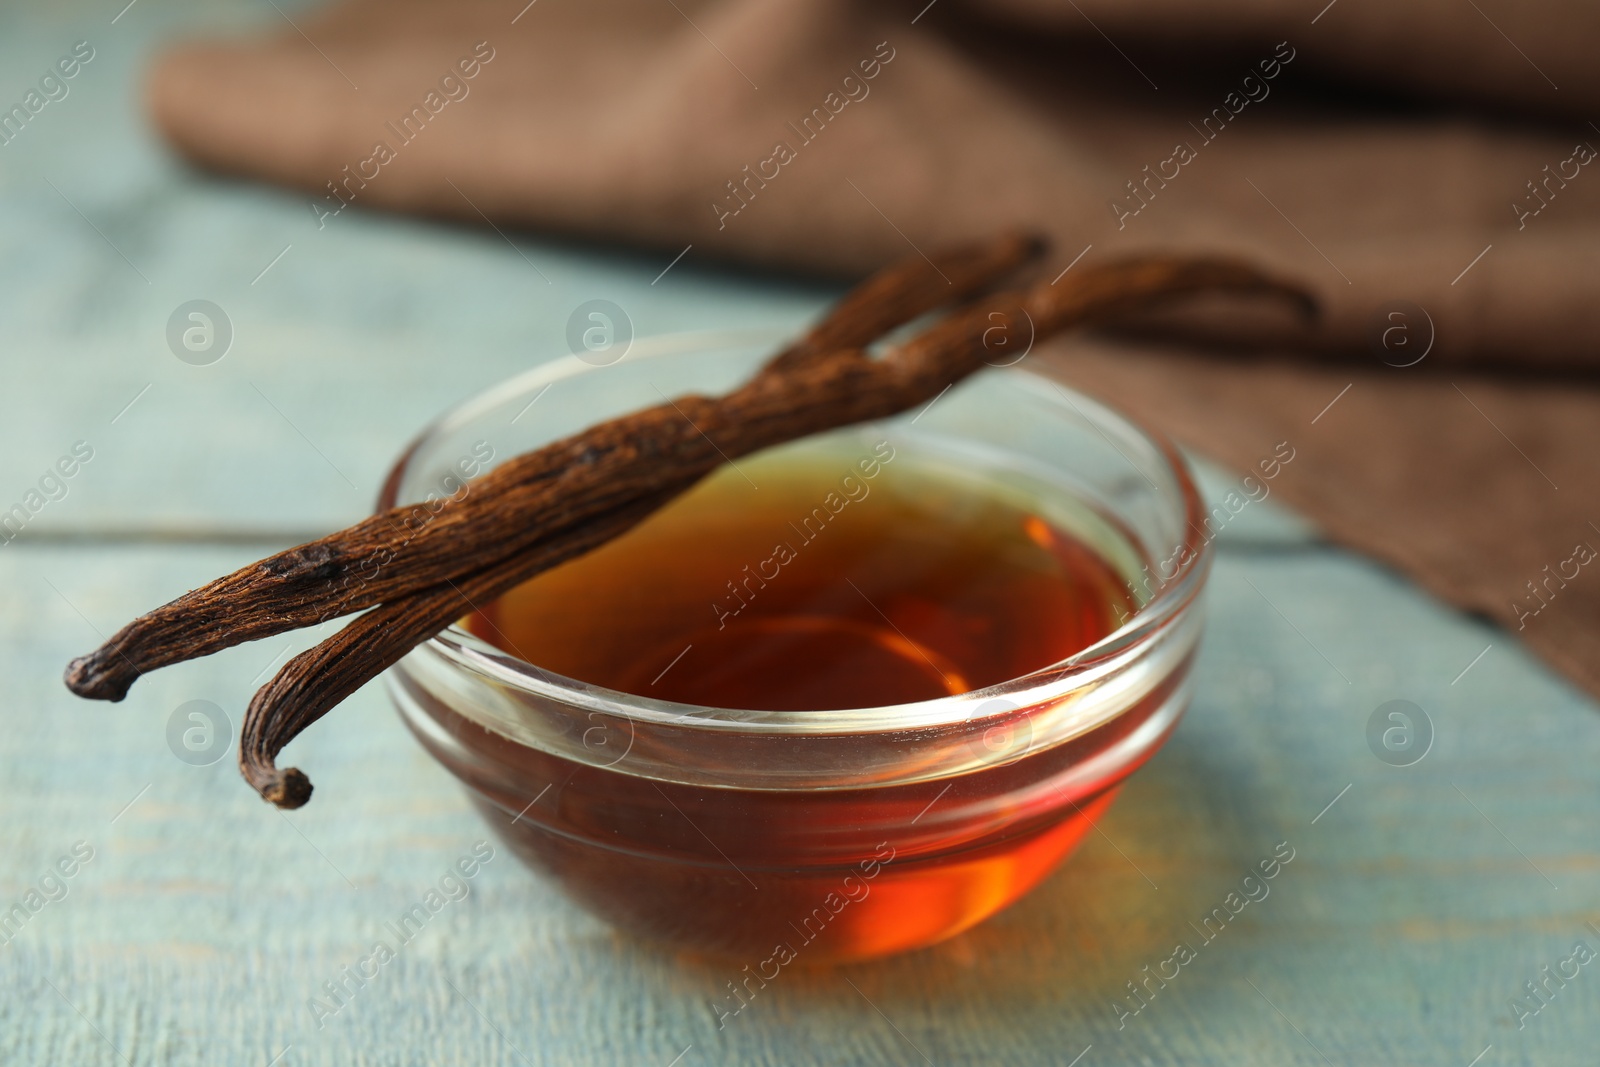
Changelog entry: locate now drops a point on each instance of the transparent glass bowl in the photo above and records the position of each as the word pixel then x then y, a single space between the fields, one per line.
pixel 816 836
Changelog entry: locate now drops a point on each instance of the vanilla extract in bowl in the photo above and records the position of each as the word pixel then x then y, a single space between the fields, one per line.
pixel 825 700
pixel 846 574
pixel 1021 617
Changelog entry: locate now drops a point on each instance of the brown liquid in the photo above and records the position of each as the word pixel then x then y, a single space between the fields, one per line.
pixel 930 581
pixel 806 584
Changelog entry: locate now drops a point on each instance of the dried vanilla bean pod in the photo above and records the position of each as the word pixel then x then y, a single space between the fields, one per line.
pixel 396 551
pixel 828 391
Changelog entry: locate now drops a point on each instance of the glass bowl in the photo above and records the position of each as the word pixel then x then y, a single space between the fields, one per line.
pixel 828 835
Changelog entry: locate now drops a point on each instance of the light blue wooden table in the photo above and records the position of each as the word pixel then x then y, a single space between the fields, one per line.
pixel 1419 900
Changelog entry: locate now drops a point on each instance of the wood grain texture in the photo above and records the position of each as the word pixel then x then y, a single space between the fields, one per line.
pixel 205 921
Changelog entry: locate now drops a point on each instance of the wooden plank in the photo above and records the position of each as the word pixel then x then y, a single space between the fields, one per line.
pixel 1396 934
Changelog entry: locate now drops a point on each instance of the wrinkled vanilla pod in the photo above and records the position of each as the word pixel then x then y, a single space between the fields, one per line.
pixel 544 507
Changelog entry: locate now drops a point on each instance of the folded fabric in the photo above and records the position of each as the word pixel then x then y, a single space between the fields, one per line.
pixel 1455 250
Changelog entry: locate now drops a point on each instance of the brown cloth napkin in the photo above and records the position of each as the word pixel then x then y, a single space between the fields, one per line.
pixel 1424 164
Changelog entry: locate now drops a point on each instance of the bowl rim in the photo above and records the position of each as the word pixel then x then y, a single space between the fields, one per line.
pixel 1170 599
